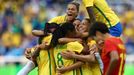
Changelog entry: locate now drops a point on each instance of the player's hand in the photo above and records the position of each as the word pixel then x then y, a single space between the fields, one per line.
pixel 93 49
pixel 43 45
pixel 68 54
pixel 100 44
pixel 28 53
pixel 61 70
pixel 58 74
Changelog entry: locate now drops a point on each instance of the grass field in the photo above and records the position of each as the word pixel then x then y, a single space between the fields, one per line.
pixel 12 69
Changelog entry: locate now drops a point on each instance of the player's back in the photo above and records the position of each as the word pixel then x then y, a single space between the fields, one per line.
pixel 60 61
pixel 45 60
pixel 116 44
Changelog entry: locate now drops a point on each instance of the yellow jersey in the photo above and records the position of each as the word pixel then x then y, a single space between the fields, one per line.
pixel 89 68
pixel 73 46
pixel 94 67
pixel 102 11
pixel 84 69
pixel 58 20
pixel 45 60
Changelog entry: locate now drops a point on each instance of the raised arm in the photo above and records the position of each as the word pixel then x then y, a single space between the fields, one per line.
pixel 89 4
pixel 91 14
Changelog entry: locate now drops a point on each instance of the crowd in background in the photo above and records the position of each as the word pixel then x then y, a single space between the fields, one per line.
pixel 19 17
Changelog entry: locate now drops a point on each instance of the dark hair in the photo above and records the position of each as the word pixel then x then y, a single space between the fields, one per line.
pixel 48 26
pixel 78 19
pixel 76 4
pixel 61 32
pixel 98 26
pixel 46 30
pixel 89 21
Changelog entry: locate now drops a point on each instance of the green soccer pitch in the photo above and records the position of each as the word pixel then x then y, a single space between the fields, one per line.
pixel 12 69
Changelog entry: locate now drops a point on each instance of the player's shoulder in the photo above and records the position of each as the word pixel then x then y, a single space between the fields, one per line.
pixel 62 16
pixel 74 45
pixel 113 40
pixel 56 19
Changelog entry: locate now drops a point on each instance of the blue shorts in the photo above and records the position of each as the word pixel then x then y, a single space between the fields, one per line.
pixel 116 30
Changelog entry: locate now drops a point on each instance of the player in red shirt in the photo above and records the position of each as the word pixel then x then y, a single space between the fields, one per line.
pixel 113 52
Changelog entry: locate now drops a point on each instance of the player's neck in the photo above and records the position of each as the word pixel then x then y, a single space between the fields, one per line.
pixel 107 35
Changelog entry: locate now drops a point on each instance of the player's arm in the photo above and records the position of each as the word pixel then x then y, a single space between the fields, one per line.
pixel 76 65
pixel 114 57
pixel 91 14
pixel 38 32
pixel 27 68
pixel 85 58
pixel 89 7
pixel 72 55
pixel 67 40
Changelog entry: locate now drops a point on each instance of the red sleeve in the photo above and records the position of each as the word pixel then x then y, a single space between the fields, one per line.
pixel 109 46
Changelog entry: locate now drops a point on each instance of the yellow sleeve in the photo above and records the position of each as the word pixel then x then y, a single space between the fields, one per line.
pixel 47 39
pixel 88 3
pixel 75 46
pixel 55 19
pixel 58 20
pixel 92 42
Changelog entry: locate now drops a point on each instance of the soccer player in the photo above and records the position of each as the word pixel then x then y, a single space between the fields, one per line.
pixel 99 10
pixel 113 51
pixel 45 66
pixel 91 66
pixel 45 60
pixel 71 14
pixel 66 30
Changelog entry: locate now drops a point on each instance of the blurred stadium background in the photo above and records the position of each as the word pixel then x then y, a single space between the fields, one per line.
pixel 19 17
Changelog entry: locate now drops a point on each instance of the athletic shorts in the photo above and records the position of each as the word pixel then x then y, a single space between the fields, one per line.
pixel 116 30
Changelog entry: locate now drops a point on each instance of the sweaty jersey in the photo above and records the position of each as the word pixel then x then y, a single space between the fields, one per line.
pixel 102 12
pixel 45 60
pixel 72 46
pixel 114 44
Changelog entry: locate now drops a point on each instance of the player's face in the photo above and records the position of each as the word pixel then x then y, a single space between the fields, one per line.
pixel 99 36
pixel 100 44
pixel 72 12
pixel 76 23
pixel 84 27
